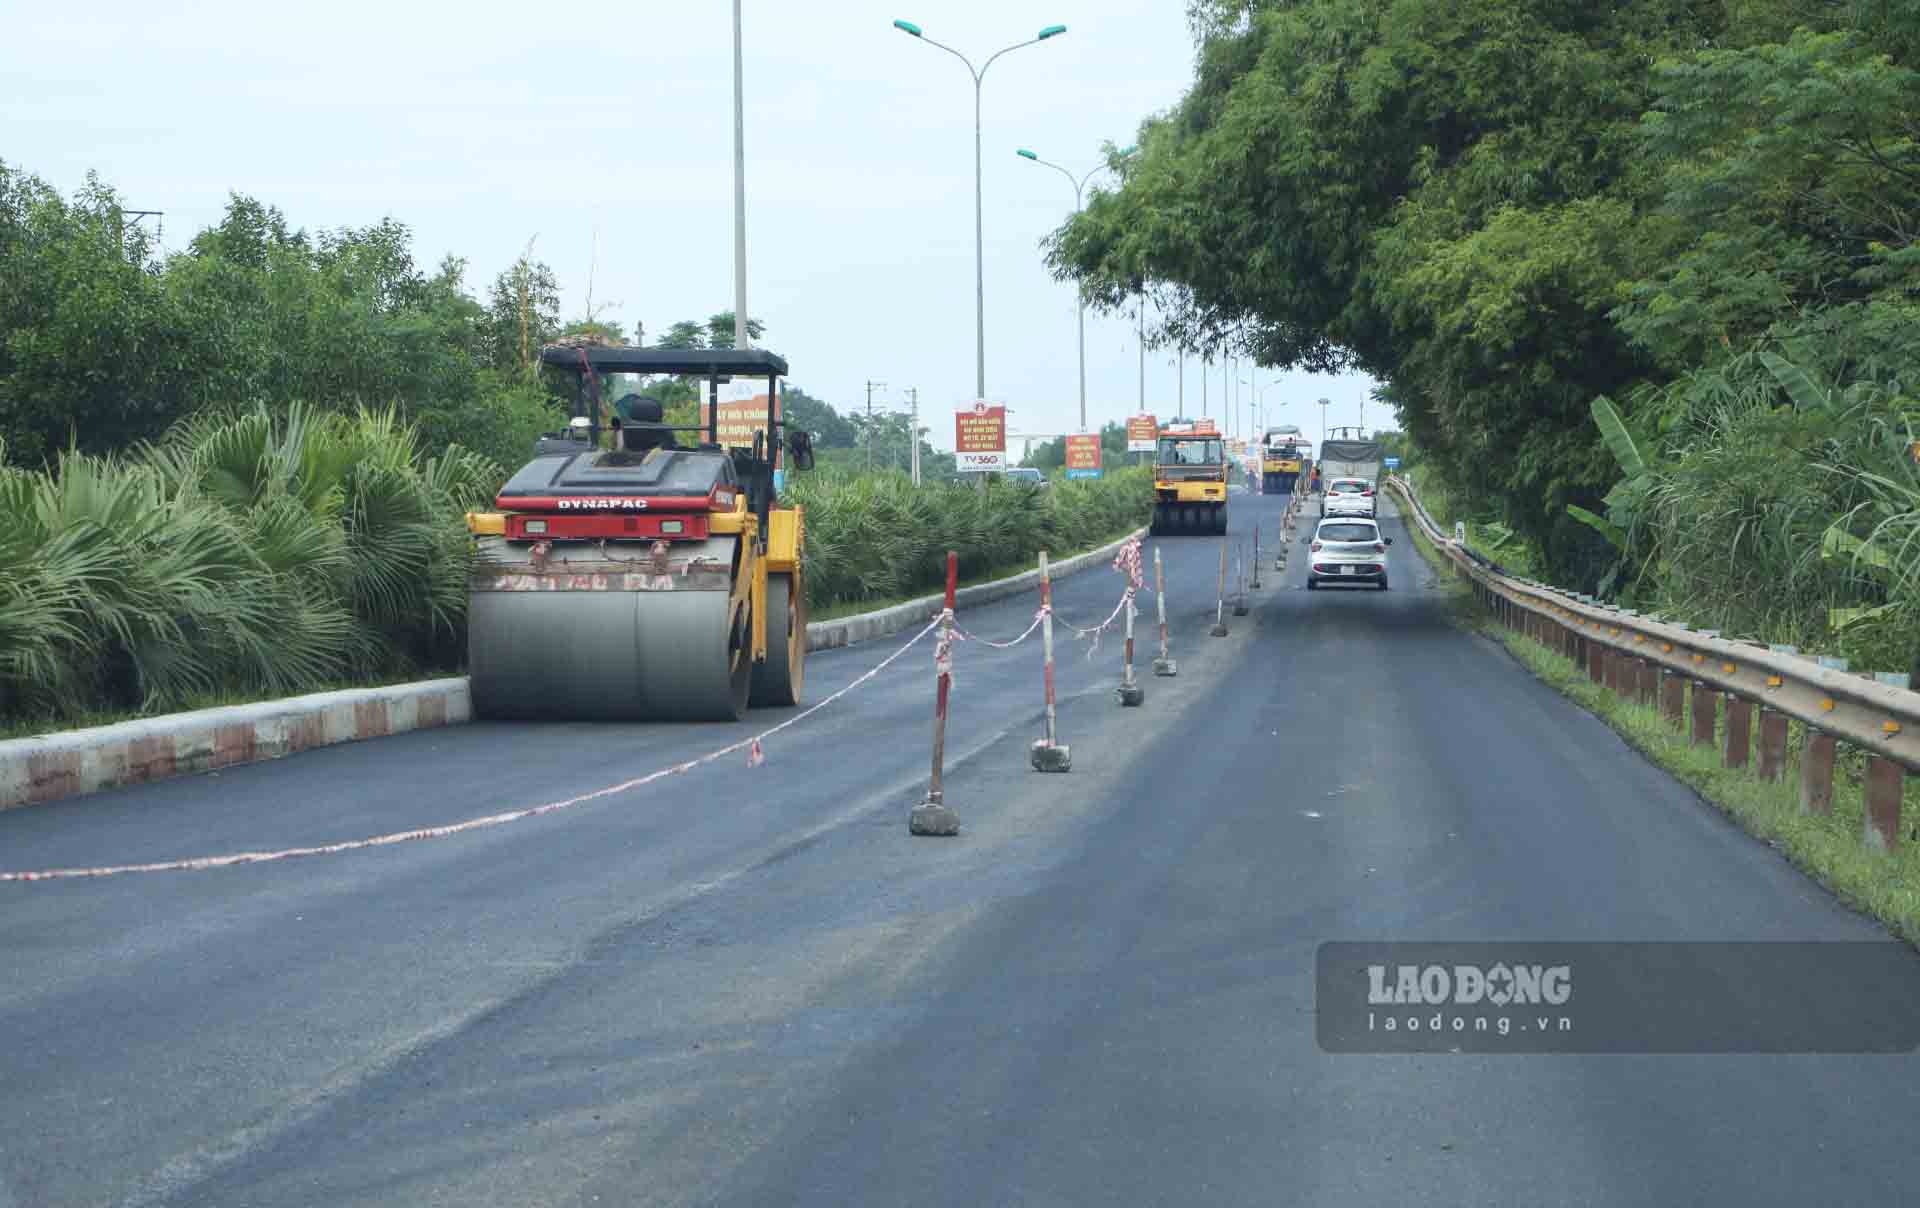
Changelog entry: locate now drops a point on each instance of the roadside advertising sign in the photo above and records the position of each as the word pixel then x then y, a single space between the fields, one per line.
pixel 1141 434
pixel 740 418
pixel 980 438
pixel 1083 456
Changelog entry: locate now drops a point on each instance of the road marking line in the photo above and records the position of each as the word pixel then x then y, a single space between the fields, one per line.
pixel 197 863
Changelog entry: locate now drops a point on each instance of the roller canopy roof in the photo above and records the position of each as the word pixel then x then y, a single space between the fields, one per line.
pixel 700 362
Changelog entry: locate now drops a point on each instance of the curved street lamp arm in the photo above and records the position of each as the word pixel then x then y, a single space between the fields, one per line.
pixel 1062 171
pixel 971 70
pixel 982 73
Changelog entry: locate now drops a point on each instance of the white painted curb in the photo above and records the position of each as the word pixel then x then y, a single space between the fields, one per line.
pixel 52 766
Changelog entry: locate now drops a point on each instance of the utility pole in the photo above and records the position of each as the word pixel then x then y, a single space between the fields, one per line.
pixel 1203 387
pixel 1142 316
pixel 739 195
pixel 913 401
pixel 870 388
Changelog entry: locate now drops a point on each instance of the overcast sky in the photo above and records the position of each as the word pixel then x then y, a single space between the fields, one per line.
pixel 604 134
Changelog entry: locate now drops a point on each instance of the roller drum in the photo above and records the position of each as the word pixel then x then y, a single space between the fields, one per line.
pixel 611 655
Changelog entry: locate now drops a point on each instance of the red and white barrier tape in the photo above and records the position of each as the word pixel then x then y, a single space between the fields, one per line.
pixel 1128 563
pixel 1038 619
pixel 755 757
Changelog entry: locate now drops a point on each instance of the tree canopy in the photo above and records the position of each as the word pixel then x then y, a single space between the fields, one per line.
pixel 1504 209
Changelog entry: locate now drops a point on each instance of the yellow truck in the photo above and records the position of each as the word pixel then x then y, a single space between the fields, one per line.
pixel 1190 479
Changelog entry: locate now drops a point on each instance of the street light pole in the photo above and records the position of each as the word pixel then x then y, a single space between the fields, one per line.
pixel 1323 420
pixel 1079 186
pixel 979 239
pixel 739 194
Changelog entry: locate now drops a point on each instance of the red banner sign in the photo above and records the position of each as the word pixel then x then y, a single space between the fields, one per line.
pixel 1083 452
pixel 1141 434
pixel 980 438
pixel 739 420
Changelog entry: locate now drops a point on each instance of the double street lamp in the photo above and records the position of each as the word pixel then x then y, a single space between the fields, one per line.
pixel 1079 186
pixel 979 254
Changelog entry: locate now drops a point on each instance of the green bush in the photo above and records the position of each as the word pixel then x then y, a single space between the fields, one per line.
pixel 242 554
pixel 878 536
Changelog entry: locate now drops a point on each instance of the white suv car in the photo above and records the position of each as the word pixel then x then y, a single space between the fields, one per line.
pixel 1348 497
pixel 1348 549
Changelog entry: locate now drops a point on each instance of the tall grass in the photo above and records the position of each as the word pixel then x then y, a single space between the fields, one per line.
pixel 242 554
pixel 877 536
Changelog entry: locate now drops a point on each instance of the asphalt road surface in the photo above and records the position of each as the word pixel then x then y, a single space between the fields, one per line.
pixel 751 986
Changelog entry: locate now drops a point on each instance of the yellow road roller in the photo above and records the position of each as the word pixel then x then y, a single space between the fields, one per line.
pixel 1189 479
pixel 639 571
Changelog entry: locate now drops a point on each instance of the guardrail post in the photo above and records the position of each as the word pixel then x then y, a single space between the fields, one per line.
pixel 932 817
pixel 1673 698
pixel 1885 782
pixel 1704 704
pixel 1738 737
pixel 1624 675
pixel 1816 773
pixel 1773 744
pixel 1596 662
pixel 1649 693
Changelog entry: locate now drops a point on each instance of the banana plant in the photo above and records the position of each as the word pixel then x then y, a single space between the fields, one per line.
pixel 1627 502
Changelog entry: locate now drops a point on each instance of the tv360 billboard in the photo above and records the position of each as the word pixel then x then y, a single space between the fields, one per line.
pixel 980 438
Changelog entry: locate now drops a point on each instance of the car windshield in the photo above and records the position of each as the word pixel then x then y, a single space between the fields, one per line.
pixel 1348 532
pixel 1348 486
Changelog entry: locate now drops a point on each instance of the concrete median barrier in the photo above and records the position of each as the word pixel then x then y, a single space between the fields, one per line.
pixel 52 766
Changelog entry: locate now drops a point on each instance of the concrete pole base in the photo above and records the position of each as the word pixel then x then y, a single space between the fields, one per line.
pixel 1051 757
pixel 1165 667
pixel 1130 694
pixel 933 818
pixel 1218 631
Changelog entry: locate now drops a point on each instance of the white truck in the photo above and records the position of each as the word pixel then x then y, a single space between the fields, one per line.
pixel 1351 459
pixel 1345 458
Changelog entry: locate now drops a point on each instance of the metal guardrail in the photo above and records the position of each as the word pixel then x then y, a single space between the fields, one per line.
pixel 1619 647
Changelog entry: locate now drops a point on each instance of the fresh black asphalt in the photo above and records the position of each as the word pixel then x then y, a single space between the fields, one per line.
pixel 751 986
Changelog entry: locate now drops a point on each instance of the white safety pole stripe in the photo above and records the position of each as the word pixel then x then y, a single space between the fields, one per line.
pixel 471 824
